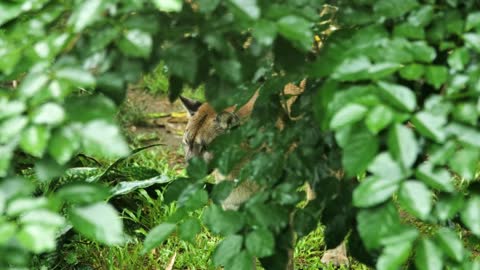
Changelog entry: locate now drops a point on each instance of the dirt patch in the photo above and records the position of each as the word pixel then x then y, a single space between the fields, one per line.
pixel 150 119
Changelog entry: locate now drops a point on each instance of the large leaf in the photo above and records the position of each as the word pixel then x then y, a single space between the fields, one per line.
pixel 227 250
pixel 450 244
pixel 221 221
pixel 157 235
pixel 34 140
pixel 428 256
pixel 86 14
pixel 430 125
pixel 403 145
pixel 188 229
pixel 394 256
pixel 248 7
pixel 104 139
pixel 99 221
pixel 398 95
pixel 378 118
pixel 296 29
pixel 359 150
pixel 471 215
pixel 169 5
pixel 126 187
pixel 416 198
pixel 83 193
pixel 436 178
pixel 348 115
pixel 260 243
pixel 373 191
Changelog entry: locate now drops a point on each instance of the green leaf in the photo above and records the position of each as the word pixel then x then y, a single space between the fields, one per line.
pixel 11 127
pixel 352 69
pixel 448 205
pixel 465 162
pixel 391 9
pixel 467 135
pixel 43 217
pixel 379 118
pixel 430 125
pixel 428 256
pixel 227 250
pixel 37 238
pixel 136 43
pixel 86 13
pixel 11 108
pixel 157 235
pixel 83 193
pixel 188 229
pixel 76 76
pixel 473 20
pixel 104 139
pixel 260 243
pixel 169 5
pixel 407 30
pixel 381 225
pixel 207 6
pixel 359 151
pixel 470 214
pixel 296 29
pixel 403 145
pixel 49 113
pixel 197 168
pixel 99 222
pixel 394 256
pixel 398 95
pixel 472 40
pixel 383 166
pixel 222 222
pixel 436 75
pixel 439 178
pixel 348 115
pixel 466 112
pixel 63 144
pixel 265 32
pixel 416 198
pixel 450 244
pixel 422 16
pixel 373 191
pixel 126 187
pixel 380 70
pixel 32 84
pixel 9 11
pixel 422 52
pixel 248 7
pixel 412 72
pixel 243 261
pixel 7 231
pixel 458 58
pixel 6 154
pixel 34 140
pixel 182 61
pixel 22 205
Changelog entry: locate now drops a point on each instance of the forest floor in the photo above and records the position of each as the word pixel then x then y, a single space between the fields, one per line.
pixel 148 118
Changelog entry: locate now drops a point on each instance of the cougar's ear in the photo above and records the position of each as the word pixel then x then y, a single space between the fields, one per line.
pixel 191 105
pixel 227 120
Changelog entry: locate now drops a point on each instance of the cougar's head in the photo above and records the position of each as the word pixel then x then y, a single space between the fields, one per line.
pixel 205 124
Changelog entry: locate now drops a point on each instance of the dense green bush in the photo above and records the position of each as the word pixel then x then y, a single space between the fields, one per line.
pixel 392 100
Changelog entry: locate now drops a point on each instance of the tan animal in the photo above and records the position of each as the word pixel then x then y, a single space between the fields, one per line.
pixel 204 125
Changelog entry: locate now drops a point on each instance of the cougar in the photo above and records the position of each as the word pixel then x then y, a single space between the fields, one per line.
pixel 205 124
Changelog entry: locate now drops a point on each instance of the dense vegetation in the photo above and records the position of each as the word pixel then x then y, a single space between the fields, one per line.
pixel 386 131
